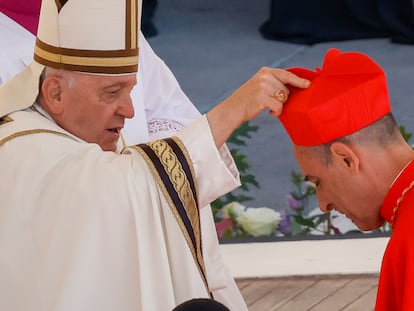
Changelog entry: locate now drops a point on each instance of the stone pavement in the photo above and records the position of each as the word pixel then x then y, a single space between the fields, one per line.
pixel 214 46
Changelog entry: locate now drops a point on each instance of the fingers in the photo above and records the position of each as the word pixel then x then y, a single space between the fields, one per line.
pixel 266 90
pixel 287 77
pixel 279 96
pixel 276 91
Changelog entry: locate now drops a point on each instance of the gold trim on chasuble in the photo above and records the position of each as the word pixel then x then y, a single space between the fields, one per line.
pixel 30 132
pixel 95 61
pixel 172 168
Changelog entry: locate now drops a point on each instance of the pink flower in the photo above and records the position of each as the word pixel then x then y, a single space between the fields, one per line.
pixel 224 226
pixel 293 203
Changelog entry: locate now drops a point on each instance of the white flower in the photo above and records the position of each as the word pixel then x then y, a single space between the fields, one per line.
pixel 234 208
pixel 259 221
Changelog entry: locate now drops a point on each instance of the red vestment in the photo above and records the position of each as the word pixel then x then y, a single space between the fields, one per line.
pixel 396 282
pixel 24 12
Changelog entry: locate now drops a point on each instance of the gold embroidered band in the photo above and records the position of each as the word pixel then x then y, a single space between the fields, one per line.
pixel 172 168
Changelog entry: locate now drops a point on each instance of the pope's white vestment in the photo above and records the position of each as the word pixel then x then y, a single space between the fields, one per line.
pixel 83 229
pixel 161 108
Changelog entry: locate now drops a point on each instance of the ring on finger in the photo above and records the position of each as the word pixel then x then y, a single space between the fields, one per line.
pixel 279 95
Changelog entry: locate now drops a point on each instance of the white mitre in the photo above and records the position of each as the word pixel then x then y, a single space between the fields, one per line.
pixel 90 36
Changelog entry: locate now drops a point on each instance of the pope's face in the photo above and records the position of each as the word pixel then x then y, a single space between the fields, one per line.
pixel 95 107
pixel 338 188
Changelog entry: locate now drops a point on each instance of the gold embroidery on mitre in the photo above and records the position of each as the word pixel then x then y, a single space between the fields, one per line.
pixel 131 33
pixel 119 61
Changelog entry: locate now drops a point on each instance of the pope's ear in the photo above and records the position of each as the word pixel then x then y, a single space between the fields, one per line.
pixel 345 156
pixel 51 96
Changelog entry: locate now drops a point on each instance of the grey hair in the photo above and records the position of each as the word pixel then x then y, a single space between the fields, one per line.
pixel 68 75
pixel 382 132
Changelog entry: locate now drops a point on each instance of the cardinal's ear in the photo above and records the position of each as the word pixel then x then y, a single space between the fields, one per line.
pixel 346 156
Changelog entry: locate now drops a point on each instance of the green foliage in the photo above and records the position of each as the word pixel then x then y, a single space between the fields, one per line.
pixel 405 134
pixel 301 222
pixel 239 138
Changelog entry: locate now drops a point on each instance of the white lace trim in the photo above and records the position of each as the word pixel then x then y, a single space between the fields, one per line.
pixel 160 125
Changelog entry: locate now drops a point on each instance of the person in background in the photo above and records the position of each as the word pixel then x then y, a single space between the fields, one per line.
pixel 148 11
pixel 347 143
pixel 201 304
pixel 325 20
pixel 103 224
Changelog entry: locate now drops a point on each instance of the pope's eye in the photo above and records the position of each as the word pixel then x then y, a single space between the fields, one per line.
pixel 110 94
pixel 113 92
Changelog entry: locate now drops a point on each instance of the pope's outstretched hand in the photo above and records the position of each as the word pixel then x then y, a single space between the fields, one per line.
pixel 266 90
